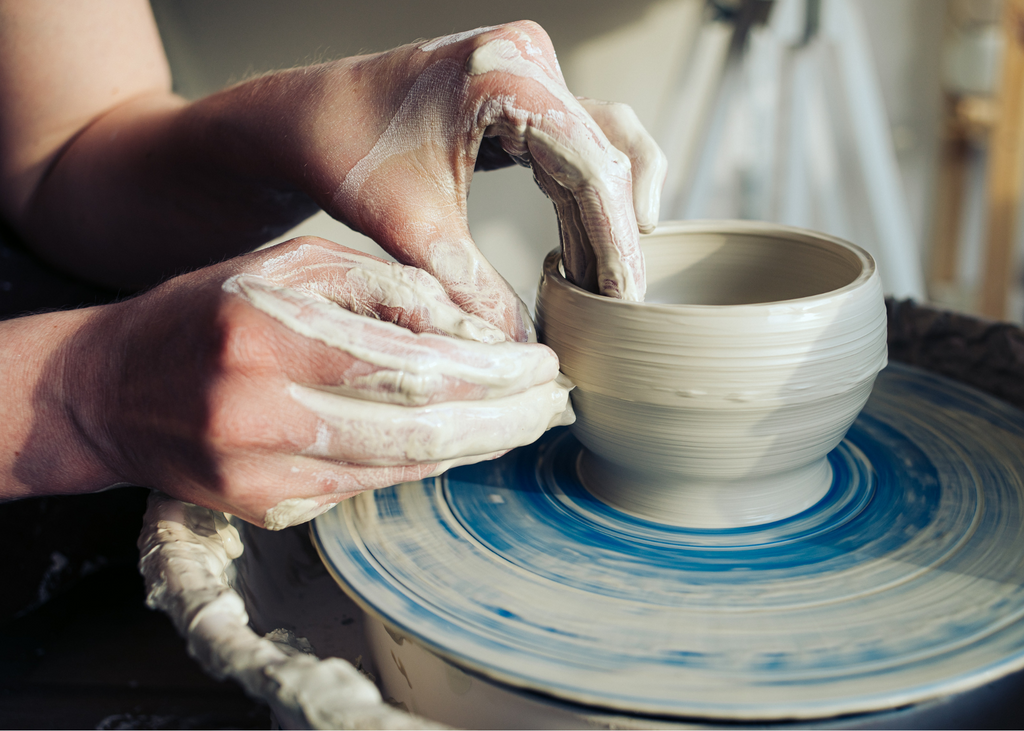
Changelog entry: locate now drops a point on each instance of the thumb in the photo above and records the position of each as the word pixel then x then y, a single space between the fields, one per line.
pixel 471 282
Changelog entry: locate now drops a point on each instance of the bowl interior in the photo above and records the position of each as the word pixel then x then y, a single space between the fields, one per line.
pixel 741 269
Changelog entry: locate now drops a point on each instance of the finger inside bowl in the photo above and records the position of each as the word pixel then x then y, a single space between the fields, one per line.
pixel 714 403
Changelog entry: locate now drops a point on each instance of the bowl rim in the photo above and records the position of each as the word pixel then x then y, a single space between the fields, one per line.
pixel 553 265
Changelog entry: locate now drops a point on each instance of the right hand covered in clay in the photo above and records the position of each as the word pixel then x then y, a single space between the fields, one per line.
pixel 274 385
pixel 388 144
pixel 497 86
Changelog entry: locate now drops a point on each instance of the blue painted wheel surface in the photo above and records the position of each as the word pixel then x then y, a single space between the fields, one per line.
pixel 905 583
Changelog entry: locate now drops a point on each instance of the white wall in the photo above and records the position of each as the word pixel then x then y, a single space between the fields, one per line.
pixel 906 38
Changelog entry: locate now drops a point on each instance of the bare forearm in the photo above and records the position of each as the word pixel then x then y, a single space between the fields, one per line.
pixel 104 171
pixel 44 452
pixel 147 191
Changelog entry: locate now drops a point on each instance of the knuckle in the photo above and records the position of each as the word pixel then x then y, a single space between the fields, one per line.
pixel 526 30
pixel 295 252
pixel 247 344
pixel 425 280
pixel 627 118
pixel 623 111
pixel 621 160
pixel 299 241
pixel 226 429
pixel 412 273
pixel 532 29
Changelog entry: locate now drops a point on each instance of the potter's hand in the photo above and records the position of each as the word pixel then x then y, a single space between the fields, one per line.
pixel 387 143
pixel 276 384
pixel 594 254
pixel 409 188
pixel 97 148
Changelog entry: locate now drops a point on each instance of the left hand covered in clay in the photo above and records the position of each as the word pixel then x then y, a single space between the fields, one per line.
pixel 275 384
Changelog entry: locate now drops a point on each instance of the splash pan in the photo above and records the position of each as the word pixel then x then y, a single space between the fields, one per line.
pixel 904 583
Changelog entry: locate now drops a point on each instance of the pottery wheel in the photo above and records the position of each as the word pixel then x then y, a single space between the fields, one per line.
pixel 903 584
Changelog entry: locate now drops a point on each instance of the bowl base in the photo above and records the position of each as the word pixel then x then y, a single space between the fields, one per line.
pixel 705 504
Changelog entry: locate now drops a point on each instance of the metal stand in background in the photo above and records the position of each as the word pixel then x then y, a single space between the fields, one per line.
pixel 796 131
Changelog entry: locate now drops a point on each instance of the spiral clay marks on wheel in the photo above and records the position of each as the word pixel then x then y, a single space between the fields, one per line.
pixel 902 584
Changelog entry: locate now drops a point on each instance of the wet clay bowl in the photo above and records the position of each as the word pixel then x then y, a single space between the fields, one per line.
pixel 713 404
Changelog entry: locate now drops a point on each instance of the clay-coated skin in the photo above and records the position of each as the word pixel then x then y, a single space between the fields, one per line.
pixel 274 384
pixel 281 377
pixel 716 406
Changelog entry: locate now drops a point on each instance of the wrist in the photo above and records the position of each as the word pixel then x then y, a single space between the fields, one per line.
pixel 49 450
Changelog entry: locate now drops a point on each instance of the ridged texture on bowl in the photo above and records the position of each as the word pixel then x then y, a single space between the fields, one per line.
pixel 736 391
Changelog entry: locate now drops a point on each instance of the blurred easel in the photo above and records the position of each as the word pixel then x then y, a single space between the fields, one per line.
pixel 782 118
pixel 992 119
